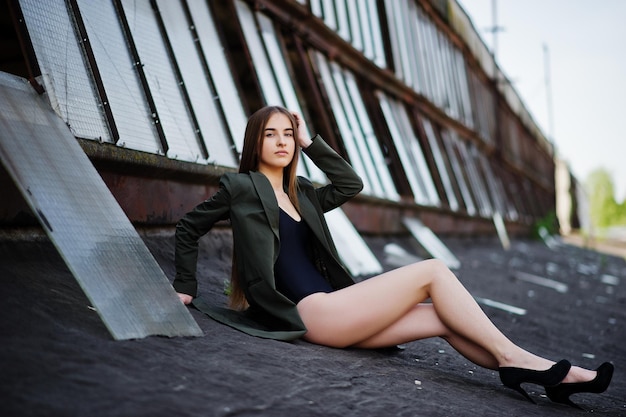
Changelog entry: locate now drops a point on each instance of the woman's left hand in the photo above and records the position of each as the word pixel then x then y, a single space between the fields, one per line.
pixel 303 140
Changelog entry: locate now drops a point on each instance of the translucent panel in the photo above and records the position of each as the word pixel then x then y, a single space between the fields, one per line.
pixel 395 36
pixel 358 148
pixel 441 164
pixel 277 60
pixel 417 51
pixel 356 32
pixel 409 151
pixel 461 73
pixel 316 7
pixel 378 51
pixel 426 54
pixel 483 108
pixel 356 130
pixel 342 122
pixel 272 71
pixel 476 180
pixel 499 200
pixel 162 81
pixel 353 250
pixel 366 30
pixel 426 60
pixel 119 76
pixel 356 21
pixel 411 55
pixel 452 86
pixel 511 210
pixel 227 93
pixel 431 242
pixel 440 98
pixel 449 142
pixel 94 237
pixel 66 79
pixel 329 14
pixel 343 25
pixel 262 65
pixel 389 188
pixel 196 84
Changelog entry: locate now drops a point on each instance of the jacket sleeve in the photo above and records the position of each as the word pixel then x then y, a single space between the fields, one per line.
pixel 190 229
pixel 344 181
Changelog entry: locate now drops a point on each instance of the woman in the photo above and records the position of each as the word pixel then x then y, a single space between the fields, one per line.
pixel 288 281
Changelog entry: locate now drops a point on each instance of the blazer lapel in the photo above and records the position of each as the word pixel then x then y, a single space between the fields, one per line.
pixel 312 218
pixel 268 199
pixel 270 206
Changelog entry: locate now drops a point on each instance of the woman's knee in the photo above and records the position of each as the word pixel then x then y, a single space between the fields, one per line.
pixel 438 266
pixel 433 269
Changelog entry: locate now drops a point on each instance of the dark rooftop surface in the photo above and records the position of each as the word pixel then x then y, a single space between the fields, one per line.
pixel 57 358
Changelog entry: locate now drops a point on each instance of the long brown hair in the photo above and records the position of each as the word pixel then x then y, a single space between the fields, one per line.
pixel 252 145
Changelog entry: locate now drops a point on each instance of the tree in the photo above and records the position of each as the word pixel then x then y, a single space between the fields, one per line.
pixel 604 210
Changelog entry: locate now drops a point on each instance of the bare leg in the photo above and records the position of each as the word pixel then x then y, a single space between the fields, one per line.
pixel 430 326
pixel 378 312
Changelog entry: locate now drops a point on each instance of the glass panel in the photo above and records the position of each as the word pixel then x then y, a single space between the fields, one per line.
pixel 329 14
pixel 498 198
pixel 476 181
pixel 64 72
pixel 277 60
pixel 452 86
pixel 428 58
pixel 119 76
pixel 342 20
pixel 461 69
pixel 441 164
pixel 396 37
pixel 342 122
pixel 449 143
pixel 420 161
pixel 412 53
pixel 409 151
pixel 389 188
pixel 355 135
pixel 316 8
pixel 262 64
pixel 213 50
pixel 437 52
pixel 365 144
pixel 377 37
pixel 366 29
pixel 196 84
pixel 431 242
pixel 83 220
pixel 353 250
pixel 356 131
pixel 356 29
pixel 421 55
pixel 162 81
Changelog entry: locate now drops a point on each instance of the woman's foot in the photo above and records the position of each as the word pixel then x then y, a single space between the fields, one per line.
pixel 513 377
pixel 601 381
pixel 578 374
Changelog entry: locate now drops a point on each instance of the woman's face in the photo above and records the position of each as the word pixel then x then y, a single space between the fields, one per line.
pixel 279 143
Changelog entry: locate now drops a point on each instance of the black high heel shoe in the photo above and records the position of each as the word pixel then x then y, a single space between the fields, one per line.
pixel 561 392
pixel 514 377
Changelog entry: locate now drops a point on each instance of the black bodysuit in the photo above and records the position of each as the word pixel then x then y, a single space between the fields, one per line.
pixel 294 271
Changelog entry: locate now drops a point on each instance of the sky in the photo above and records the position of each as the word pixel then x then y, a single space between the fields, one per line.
pixel 586 73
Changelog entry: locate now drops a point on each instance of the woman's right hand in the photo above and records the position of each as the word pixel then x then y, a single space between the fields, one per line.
pixel 184 298
pixel 303 140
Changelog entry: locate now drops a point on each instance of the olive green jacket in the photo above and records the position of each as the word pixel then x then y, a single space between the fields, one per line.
pixel 249 202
